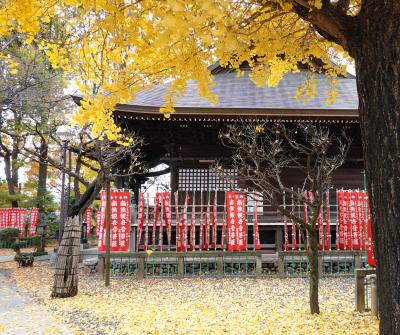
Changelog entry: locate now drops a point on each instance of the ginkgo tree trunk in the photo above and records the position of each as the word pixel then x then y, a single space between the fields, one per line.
pixel 262 152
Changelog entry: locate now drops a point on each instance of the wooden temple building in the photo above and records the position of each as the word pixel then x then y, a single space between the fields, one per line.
pixel 189 144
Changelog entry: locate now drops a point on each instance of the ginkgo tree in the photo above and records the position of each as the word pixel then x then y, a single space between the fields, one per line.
pixel 115 48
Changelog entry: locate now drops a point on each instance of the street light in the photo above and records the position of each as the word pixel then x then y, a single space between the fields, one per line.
pixel 65 133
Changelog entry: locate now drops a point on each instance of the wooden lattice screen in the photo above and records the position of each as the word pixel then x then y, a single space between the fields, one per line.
pixel 205 179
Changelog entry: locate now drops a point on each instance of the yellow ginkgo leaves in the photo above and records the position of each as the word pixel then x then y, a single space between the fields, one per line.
pixel 200 306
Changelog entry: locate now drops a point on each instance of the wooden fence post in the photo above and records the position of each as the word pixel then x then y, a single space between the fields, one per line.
pixel 357 261
pixel 220 266
pixel 258 266
pixel 281 265
pixel 101 265
pixel 374 296
pixel 360 291
pixel 140 267
pixel 180 265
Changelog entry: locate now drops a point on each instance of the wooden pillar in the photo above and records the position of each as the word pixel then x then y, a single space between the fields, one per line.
pixel 174 176
pixel 281 265
pixel 180 265
pixel 279 238
pixel 101 265
pixel 220 266
pixel 132 239
pixel 258 266
pixel 360 291
pixel 140 272
pixel 357 261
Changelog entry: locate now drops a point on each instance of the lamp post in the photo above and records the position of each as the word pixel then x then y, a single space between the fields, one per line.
pixel 65 133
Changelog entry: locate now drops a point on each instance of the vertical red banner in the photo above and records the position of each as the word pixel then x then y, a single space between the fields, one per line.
pixel 2 224
pixel 101 219
pixel 370 244
pixel 341 221
pixel 320 230
pixel 285 226
pixel 33 221
pixel 214 223
pixel 256 235
pixel 21 222
pixel 184 225
pixel 157 206
pixel 207 227
pixel 192 244
pixel 355 223
pixel 236 218
pixel 327 224
pixel 147 217
pixel 166 200
pixel 347 221
pixel 98 221
pixel 120 221
pixel 241 221
pixel 224 220
pixel 87 218
pixel 294 234
pixel 124 214
pixel 231 211
pixel 140 219
pixel 178 224
pixel 361 219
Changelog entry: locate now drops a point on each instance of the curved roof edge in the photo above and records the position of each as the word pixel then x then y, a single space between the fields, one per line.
pixel 215 113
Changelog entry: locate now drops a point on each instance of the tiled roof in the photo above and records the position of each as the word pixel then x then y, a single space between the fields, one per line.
pixel 237 93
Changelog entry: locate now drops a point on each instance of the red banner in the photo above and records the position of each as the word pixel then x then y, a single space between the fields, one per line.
pixel 2 219
pixel 87 218
pixel 286 226
pixel 101 216
pixel 256 235
pixel 140 219
pixel 14 218
pixel 341 222
pixel 361 219
pixel 33 221
pixel 178 224
pixel 120 223
pixel 184 225
pixel 327 224
pixel 351 220
pixel 157 204
pixel 355 223
pixel 294 234
pixel 370 243
pixel 207 227
pixel 214 223
pixel 236 217
pixel 147 217
pixel 166 201
pixel 192 234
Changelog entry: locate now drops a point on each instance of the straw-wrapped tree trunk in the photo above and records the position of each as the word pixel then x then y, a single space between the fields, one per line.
pixel 66 270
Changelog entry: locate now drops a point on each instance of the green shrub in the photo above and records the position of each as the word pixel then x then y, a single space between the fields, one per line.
pixel 19 244
pixel 8 233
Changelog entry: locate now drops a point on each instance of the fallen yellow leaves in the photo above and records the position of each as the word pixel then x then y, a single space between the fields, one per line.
pixel 200 306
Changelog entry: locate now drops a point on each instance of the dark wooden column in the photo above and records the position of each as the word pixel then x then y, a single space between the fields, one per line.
pixel 279 238
pixel 174 176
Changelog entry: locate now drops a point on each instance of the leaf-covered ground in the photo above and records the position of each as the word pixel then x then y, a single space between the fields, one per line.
pixel 199 306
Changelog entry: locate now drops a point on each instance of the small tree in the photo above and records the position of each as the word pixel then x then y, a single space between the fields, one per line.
pixel 263 153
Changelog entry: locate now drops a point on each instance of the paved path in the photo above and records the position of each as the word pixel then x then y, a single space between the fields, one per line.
pixel 20 315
